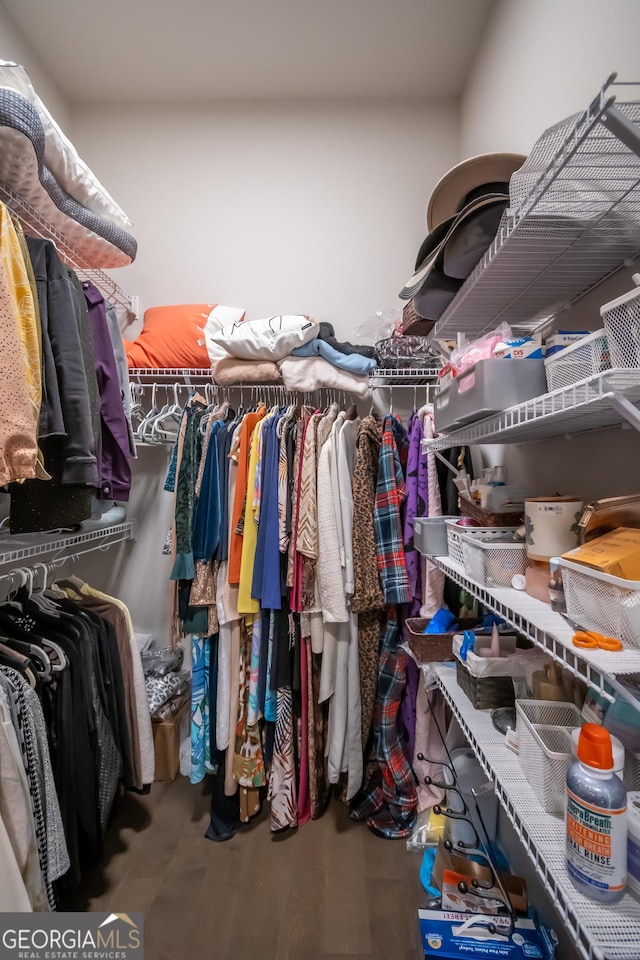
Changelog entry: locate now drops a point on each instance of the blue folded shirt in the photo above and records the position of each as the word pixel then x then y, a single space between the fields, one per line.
pixel 353 362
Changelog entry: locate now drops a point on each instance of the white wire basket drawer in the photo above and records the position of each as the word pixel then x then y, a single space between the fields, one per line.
pixel 601 602
pixel 489 560
pixel 544 747
pixel 578 361
pixel 621 319
pixel 455 534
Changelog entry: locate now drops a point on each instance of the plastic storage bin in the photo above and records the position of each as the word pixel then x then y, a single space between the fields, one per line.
pixel 601 602
pixel 489 563
pixel 430 536
pixel 579 361
pixel 489 387
pixel 621 319
pixel 544 747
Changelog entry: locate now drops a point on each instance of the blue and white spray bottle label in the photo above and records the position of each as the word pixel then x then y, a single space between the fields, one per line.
pixel 596 844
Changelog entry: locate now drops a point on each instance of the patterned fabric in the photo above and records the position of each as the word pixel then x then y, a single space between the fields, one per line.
pixel 28 740
pixel 369 628
pixel 200 734
pixel 282 783
pixel 248 763
pixel 417 503
pixel 170 482
pixel 161 689
pixel 20 385
pixel 388 801
pixel 183 566
pixel 390 494
pixel 307 529
pixel 368 593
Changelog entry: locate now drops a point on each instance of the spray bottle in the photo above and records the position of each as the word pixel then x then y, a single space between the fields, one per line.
pixel 596 819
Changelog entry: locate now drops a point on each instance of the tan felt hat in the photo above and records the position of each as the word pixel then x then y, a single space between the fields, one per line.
pixel 449 194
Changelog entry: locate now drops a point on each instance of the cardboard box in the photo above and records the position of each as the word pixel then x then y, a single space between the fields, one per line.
pixel 447 861
pixel 616 553
pixel 520 348
pixel 166 744
pixel 454 936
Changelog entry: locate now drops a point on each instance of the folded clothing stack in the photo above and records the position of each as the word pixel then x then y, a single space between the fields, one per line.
pixel 294 349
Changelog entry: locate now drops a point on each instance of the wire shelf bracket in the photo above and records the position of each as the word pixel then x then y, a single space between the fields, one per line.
pixel 578 223
pixel 34 223
pixel 32 546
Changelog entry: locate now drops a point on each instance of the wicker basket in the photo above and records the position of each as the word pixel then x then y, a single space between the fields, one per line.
pixel 485 693
pixel 433 647
pixel 484 518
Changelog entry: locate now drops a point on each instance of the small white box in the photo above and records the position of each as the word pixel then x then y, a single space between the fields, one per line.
pixel 561 340
pixel 520 348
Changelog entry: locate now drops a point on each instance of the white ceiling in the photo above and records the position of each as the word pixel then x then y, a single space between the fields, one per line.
pixel 99 50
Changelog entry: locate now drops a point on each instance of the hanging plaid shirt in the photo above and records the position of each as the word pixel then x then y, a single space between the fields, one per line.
pixel 388 800
pixel 390 494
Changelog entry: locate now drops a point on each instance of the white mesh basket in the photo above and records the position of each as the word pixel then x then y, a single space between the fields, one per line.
pixel 578 361
pixel 601 602
pixel 544 747
pixel 489 563
pixel 455 534
pixel 621 320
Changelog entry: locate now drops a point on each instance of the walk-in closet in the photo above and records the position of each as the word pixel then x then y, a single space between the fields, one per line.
pixel 319 497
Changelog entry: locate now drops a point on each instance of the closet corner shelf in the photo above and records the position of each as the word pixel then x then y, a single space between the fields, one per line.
pixel 29 546
pixel 587 405
pixel 601 931
pixel 549 631
pixel 34 223
pixel 578 223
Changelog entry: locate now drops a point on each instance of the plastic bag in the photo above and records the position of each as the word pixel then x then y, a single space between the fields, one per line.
pixel 404 351
pixel 481 349
pixel 383 324
pixel 158 663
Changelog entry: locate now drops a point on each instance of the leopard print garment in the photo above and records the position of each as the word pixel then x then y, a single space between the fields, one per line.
pixel 367 593
pixel 368 598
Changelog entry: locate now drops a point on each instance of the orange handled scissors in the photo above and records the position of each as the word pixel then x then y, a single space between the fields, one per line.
pixel 590 640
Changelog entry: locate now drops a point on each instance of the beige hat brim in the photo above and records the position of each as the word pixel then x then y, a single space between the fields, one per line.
pixel 448 194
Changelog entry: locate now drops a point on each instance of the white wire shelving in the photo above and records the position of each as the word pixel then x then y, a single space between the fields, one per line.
pixel 577 222
pixel 550 632
pixel 604 400
pixel 36 225
pixel 601 931
pixel 23 548
pixel 404 376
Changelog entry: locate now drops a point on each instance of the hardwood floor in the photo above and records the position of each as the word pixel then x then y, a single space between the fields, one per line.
pixel 328 891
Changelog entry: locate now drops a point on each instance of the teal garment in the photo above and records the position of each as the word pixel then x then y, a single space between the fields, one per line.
pixel 170 482
pixel 183 566
pixel 200 712
pixel 207 519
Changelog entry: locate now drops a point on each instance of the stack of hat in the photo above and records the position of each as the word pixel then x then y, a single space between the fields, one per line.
pixel 463 216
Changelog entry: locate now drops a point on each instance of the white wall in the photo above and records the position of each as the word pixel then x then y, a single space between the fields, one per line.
pixel 15 46
pixel 313 207
pixel 541 60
